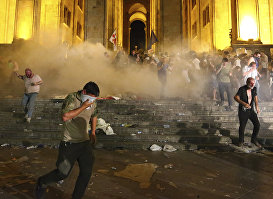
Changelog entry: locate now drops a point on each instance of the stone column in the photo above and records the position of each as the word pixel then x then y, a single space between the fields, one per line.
pixel 24 19
pixel 7 21
pixel 95 21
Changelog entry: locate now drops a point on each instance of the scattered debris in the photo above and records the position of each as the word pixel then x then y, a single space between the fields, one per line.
pixel 168 166
pixel 114 168
pixel 181 114
pixel 101 124
pixel 155 147
pixel 3 145
pixel 139 132
pixel 166 126
pixel 32 147
pixel 129 125
pixel 169 148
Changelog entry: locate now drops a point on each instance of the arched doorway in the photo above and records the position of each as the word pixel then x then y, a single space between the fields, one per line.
pixel 136 24
pixel 137 35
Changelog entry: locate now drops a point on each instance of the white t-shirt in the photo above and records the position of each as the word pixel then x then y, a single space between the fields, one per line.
pixel 238 62
pixel 253 74
pixel 28 81
pixel 196 63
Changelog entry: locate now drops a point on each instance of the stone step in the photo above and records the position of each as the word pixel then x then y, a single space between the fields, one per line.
pixel 119 138
pixel 154 121
pixel 235 125
pixel 262 132
pixel 143 145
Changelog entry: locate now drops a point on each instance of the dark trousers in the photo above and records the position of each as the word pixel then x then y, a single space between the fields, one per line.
pixel 68 154
pixel 225 87
pixel 243 117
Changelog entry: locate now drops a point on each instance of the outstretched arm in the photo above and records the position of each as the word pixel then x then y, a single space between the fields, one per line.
pixel 19 76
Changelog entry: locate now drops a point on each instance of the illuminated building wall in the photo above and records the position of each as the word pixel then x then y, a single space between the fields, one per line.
pixel 202 25
pixel 24 19
pixel 266 21
pixel 7 21
pixel 45 21
pixel 207 23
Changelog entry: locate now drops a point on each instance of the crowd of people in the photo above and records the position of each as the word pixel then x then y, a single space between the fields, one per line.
pixel 213 76
pixel 217 73
pixel 247 76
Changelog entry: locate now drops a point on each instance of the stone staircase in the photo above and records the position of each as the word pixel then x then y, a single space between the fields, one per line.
pixel 184 124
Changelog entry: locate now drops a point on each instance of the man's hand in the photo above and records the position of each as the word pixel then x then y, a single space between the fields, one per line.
pixel 87 104
pixel 258 110
pixel 247 106
pixel 93 139
pixel 33 84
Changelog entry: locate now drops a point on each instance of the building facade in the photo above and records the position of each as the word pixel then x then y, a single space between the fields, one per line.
pixel 56 21
pixel 217 24
pixel 200 25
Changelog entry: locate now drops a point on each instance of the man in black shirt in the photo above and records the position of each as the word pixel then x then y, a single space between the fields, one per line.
pixel 246 97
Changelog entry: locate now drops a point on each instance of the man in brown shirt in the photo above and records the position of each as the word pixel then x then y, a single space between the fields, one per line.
pixel 77 110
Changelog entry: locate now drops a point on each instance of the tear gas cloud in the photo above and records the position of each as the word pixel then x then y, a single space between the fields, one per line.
pixel 66 70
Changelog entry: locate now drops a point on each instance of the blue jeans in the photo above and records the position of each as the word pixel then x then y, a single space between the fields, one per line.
pixel 28 103
pixel 223 86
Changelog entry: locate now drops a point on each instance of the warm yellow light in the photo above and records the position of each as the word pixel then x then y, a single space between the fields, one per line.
pixel 24 31
pixel 248 28
pixel 138 16
pixel 24 19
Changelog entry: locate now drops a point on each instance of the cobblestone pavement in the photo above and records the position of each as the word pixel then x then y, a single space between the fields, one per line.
pixel 144 174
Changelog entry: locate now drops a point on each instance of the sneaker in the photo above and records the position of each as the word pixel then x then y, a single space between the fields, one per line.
pixel 221 103
pixel 39 192
pixel 28 120
pixel 229 108
pixel 256 143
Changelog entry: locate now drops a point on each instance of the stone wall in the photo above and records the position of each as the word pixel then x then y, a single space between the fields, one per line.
pixel 94 21
pixel 171 16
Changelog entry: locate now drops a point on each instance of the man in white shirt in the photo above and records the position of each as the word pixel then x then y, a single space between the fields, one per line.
pixel 251 71
pixel 32 88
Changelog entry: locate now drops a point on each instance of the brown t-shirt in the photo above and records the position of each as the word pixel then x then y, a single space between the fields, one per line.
pixel 76 129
